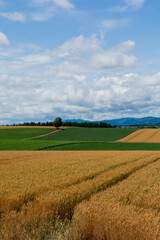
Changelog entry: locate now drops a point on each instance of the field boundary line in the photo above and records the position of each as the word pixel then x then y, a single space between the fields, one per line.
pixel 93 142
pixel 59 145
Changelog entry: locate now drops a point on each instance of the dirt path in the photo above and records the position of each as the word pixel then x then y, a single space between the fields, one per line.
pixel 46 134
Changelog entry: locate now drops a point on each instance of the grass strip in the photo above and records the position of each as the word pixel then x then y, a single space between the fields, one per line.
pixel 12 145
pixel 83 146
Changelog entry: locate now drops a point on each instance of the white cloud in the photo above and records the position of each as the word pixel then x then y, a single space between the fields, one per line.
pixel 14 16
pixel 4 40
pixel 64 4
pixel 88 53
pixel 113 23
pixel 125 46
pixel 115 57
pixel 70 76
pixel 154 81
pixel 77 46
pixel 37 59
pixel 136 4
pixel 46 9
pixel 78 55
pixel 109 96
pixel 75 80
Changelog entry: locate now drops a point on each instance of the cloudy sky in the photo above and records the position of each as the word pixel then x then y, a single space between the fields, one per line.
pixel 84 59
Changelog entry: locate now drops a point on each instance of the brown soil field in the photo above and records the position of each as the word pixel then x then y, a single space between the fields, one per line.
pixel 38 188
pixel 143 135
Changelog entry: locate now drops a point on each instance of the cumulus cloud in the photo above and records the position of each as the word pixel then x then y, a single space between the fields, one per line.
pixel 14 16
pixel 111 96
pixel 88 53
pixel 4 40
pixel 75 80
pixel 115 57
pixel 77 46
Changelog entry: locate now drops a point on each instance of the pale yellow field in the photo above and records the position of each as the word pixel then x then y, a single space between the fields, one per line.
pixel 143 135
pixel 38 187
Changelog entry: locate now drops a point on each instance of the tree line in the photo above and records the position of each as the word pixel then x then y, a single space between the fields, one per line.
pixel 70 124
pixel 89 124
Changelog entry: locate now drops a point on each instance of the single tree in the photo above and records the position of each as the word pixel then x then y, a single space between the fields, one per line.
pixel 57 122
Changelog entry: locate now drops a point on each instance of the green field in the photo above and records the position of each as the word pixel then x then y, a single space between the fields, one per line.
pixel 105 146
pixel 90 134
pixel 23 133
pixel 7 144
pixel 70 139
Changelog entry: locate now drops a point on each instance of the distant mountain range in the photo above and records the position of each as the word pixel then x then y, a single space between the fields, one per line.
pixel 124 121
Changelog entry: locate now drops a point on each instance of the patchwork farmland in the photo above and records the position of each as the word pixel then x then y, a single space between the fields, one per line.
pixel 30 138
pixel 78 195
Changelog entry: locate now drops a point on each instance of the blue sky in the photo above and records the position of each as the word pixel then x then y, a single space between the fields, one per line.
pixel 79 59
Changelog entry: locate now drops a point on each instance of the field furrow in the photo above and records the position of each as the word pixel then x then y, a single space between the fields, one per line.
pixel 24 175
pixel 63 202
pixel 143 135
pixel 128 210
pixel 36 188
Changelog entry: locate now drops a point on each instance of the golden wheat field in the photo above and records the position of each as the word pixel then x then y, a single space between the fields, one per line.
pixel 129 210
pixel 110 195
pixel 143 135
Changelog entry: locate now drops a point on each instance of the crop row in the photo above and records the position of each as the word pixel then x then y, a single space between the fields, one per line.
pixel 143 135
pixel 129 210
pixel 38 187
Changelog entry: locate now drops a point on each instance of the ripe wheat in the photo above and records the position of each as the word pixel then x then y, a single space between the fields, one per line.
pixel 143 135
pixel 36 188
pixel 129 210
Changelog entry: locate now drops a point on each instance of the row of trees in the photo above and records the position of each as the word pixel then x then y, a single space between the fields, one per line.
pixel 58 122
pixel 89 124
